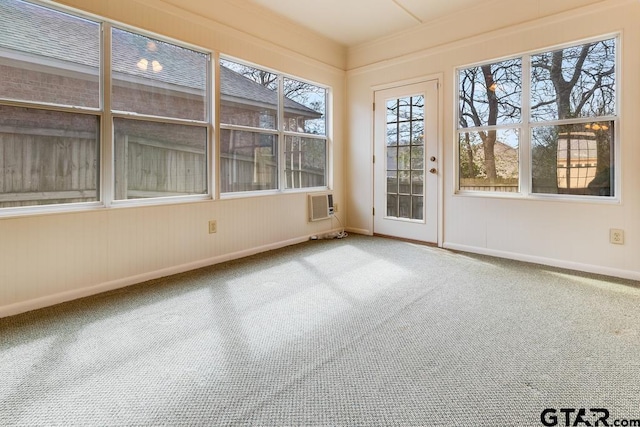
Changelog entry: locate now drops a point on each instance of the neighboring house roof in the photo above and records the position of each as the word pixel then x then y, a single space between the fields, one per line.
pixel 237 88
pixel 41 32
pixel 37 30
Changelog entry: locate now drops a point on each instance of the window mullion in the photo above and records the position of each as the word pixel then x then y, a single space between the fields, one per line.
pixel 525 131
pixel 213 92
pixel 282 184
pixel 106 140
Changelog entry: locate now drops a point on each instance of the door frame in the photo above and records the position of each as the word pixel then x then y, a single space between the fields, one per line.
pixel 440 144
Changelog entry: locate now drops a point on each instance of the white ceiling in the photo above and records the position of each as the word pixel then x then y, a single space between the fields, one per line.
pixel 352 22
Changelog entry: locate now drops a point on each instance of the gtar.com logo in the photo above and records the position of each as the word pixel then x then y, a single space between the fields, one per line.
pixel 593 417
pixel 586 417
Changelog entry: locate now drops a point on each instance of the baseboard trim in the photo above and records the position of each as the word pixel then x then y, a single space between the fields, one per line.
pixel 362 231
pixel 50 300
pixel 569 265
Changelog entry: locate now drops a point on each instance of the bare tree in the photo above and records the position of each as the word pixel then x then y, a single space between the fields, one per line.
pixel 569 83
pixel 489 95
pixel 575 82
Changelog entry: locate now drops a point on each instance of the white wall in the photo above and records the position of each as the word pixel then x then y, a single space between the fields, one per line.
pixel 563 233
pixel 45 259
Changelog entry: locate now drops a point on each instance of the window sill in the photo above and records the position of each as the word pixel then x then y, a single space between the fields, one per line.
pixel 557 198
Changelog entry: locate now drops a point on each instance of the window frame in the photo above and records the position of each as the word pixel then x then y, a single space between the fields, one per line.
pixel 97 112
pixel 526 125
pixel 280 133
pixel 111 114
pixel 106 169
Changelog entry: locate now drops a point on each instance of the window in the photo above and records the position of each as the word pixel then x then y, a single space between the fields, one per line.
pixel 305 155
pixel 566 128
pixel 273 131
pixel 49 132
pixel 165 153
pixel 405 157
pixel 144 119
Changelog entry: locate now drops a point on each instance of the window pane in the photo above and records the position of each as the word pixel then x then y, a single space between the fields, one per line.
pixel 47 157
pixel 404 204
pixel 404 133
pixel 404 182
pixel 491 94
pixel 248 96
pixel 392 181
pixel 248 161
pixel 573 159
pixel 417 132
pixel 48 56
pixel 392 205
pixel 305 162
pixel 574 82
pixel 392 158
pixel 157 78
pixel 489 160
pixel 392 110
pixel 404 158
pixel 304 107
pixel 159 159
pixel 417 208
pixel 417 158
pixel 417 183
pixel 392 134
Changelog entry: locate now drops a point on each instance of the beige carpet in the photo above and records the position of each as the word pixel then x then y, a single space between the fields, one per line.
pixel 359 331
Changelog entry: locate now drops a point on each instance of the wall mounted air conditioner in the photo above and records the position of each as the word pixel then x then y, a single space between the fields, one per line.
pixel 320 206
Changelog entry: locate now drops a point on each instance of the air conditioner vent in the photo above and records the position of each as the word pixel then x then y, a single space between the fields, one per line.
pixel 320 206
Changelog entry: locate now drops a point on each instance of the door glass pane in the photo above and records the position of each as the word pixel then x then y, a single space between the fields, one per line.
pixel 404 182
pixel 405 157
pixel 417 133
pixel 417 208
pixel 404 136
pixel 392 205
pixel 392 111
pixel 417 158
pixel 417 183
pixel 392 134
pixel 405 206
pixel 392 182
pixel 392 158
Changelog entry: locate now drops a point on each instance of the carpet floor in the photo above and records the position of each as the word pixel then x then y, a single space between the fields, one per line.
pixel 353 332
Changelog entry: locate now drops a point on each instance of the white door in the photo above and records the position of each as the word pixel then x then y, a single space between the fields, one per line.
pixel 406 159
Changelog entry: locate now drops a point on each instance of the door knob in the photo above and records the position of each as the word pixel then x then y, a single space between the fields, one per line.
pixel 433 170
pixel 433 158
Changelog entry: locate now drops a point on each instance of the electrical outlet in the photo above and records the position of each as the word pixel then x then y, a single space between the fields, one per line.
pixel 213 226
pixel 616 236
pixel 335 207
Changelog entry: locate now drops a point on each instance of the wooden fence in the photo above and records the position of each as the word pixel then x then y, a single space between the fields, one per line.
pixel 504 185
pixel 44 166
pixel 151 168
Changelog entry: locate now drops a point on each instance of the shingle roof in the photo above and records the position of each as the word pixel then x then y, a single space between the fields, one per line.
pixel 40 31
pixel 233 85
pixel 43 32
